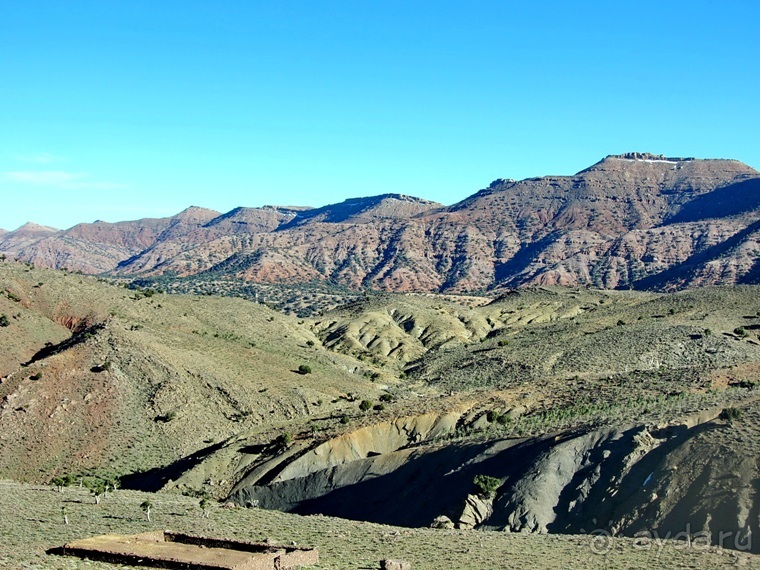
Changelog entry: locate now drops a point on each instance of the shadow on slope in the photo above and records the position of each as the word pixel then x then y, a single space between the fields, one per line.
pixel 732 200
pixel 154 479
pixel 682 271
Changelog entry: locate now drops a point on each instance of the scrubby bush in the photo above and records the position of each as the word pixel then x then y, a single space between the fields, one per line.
pixel 730 414
pixel 304 369
pixel 365 405
pixel 740 331
pixel 4 321
pixel 486 485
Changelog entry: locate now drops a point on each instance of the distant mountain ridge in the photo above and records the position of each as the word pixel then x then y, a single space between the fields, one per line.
pixel 631 220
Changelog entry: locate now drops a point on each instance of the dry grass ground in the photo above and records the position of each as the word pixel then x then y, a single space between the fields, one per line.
pixel 32 522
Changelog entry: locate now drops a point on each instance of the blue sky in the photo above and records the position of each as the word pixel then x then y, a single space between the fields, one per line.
pixel 118 110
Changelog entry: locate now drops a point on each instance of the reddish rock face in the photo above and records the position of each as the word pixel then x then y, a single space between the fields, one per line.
pixel 637 220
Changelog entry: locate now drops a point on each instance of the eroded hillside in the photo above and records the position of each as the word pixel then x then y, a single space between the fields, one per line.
pixel 618 411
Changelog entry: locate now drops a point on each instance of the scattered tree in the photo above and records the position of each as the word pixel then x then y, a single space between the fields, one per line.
pixel 65 515
pixel 365 405
pixel 146 506
pixel 59 483
pixel 98 489
pixel 304 369
pixel 4 321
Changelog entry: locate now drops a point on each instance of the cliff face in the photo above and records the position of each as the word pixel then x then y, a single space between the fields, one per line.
pixel 633 220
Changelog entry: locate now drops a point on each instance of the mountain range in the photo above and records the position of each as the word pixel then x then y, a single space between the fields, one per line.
pixel 634 220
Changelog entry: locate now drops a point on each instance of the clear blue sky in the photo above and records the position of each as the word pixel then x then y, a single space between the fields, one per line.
pixel 124 109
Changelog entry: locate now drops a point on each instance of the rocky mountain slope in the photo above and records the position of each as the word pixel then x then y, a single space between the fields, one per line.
pixel 633 220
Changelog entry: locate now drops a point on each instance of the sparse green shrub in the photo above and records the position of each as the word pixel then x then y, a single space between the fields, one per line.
pixel 4 321
pixel 284 440
pixel 621 323
pixel 344 419
pixel 378 407
pixel 730 414
pixel 491 416
pixel 167 417
pixel 304 369
pixel 387 398
pixel 708 332
pixel 486 485
pixel 740 332
pixel 309 343
pixel 503 342
pixel 365 405
pixel 36 376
